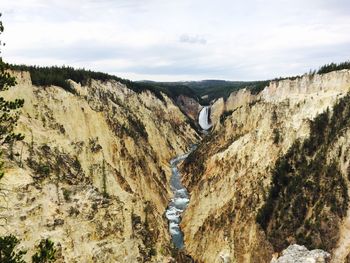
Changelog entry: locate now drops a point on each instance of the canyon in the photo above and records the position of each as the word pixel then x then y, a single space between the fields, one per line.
pixel 92 171
pixel 96 171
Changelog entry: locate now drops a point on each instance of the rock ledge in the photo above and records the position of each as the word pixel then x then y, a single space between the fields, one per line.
pixel 300 254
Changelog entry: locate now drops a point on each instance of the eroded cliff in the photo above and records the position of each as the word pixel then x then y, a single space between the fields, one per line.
pixel 234 177
pixel 92 171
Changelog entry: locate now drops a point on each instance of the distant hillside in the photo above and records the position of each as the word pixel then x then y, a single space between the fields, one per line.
pixel 220 88
pixel 212 89
pixel 58 76
pixel 202 91
pixel 208 90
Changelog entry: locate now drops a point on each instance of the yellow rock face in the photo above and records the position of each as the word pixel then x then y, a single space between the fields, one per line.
pixel 230 181
pixel 92 172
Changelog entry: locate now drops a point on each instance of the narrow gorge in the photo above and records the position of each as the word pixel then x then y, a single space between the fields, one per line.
pixel 182 131
pixel 179 201
pixel 97 157
pixel 148 177
pixel 180 198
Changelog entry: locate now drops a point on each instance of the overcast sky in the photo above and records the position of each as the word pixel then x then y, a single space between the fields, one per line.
pixel 179 39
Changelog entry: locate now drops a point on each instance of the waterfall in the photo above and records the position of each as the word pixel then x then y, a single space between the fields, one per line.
pixel 204 118
pixel 180 199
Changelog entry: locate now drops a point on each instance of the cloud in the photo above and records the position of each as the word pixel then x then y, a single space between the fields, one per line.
pixel 192 39
pixel 145 39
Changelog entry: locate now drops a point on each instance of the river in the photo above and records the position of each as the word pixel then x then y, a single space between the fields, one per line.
pixel 178 203
pixel 180 199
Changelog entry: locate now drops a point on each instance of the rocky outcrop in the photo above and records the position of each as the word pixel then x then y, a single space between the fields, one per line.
pixel 189 106
pixel 230 175
pixel 92 171
pixel 300 254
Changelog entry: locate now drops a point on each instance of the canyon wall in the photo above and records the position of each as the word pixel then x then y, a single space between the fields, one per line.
pixel 92 171
pixel 273 172
pixel 189 106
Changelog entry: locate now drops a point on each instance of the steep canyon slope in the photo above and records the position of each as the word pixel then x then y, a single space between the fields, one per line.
pixel 92 172
pixel 273 172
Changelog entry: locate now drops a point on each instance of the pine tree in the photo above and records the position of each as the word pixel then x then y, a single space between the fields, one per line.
pixel 8 114
pixel 8 252
pixel 46 252
pixel 8 119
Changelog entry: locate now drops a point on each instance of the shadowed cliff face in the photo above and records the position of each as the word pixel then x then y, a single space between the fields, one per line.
pixel 230 175
pixel 308 185
pixel 92 172
pixel 189 105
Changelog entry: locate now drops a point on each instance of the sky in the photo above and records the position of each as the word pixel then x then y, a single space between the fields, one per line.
pixel 174 40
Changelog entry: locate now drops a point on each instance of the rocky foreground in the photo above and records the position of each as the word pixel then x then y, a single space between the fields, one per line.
pixel 300 254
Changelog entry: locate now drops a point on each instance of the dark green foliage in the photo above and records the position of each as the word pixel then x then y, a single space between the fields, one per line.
pixel 333 67
pixel 45 76
pixel 46 252
pixel 225 115
pixel 258 86
pixel 134 128
pixel 8 119
pixel 1 167
pixel 194 164
pixel 196 159
pixel 94 145
pixel 137 126
pixel 67 195
pixel 8 116
pixel 41 170
pixel 172 89
pixel 213 89
pixel 304 180
pixel 193 124
pixel 274 117
pixel 147 231
pixel 288 78
pixel 48 161
pixel 6 80
pixel 218 88
pixel 276 136
pixel 58 76
pixel 8 252
pixel 104 178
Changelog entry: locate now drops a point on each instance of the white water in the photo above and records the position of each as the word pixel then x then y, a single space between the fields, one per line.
pixel 204 118
pixel 178 203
